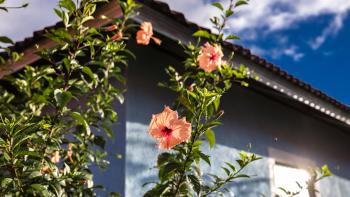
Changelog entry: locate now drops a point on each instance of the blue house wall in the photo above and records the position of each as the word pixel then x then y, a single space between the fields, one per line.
pixel 277 132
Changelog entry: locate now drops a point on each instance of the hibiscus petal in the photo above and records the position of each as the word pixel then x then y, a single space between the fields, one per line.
pixel 181 129
pixel 164 118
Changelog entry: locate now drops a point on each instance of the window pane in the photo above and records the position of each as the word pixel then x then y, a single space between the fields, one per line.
pixel 286 177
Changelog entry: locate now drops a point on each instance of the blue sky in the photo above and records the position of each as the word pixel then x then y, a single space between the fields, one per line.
pixel 307 38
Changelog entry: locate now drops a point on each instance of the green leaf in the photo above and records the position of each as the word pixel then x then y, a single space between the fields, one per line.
pixel 68 4
pixel 325 171
pixel 212 124
pixel 202 33
pixel 166 171
pixel 241 163
pixel 5 182
pixel 227 171
pixel 210 137
pixel 29 153
pixel 232 37
pixel 89 72
pixel 156 191
pixel 81 121
pixel 100 141
pixel 242 176
pixel 217 103
pixel 218 5
pixel 241 2
pixel 233 168
pixel 5 39
pixel 196 183
pixel 62 97
pixel 59 13
pixel 228 13
pixel 2 142
pixel 41 189
pixel 35 174
pixel 205 157
pixel 22 140
pixel 284 190
pixel 164 158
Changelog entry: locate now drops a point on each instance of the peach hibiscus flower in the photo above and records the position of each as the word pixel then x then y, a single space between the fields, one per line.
pixel 168 129
pixel 210 57
pixel 145 34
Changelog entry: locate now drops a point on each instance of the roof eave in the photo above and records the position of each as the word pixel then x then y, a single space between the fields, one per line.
pixel 30 46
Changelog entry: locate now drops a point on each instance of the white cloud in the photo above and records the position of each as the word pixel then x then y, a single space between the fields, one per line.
pixel 267 16
pixel 331 30
pixel 20 23
pixel 276 53
pixel 293 52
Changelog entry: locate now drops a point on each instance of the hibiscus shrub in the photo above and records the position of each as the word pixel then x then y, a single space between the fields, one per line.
pixel 55 116
pixel 205 78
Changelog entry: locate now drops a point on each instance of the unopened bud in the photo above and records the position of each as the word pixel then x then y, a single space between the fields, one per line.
pixel 111 28
pixel 118 36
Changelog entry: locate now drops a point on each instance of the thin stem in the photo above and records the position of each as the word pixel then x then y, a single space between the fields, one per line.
pixel 223 24
pixel 222 184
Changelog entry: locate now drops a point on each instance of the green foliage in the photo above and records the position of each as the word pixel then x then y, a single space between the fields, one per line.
pixel 198 99
pixel 55 115
pixel 219 23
